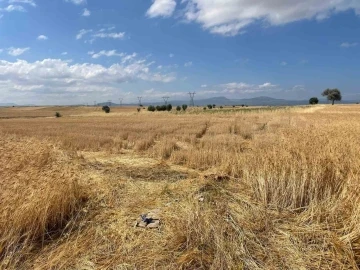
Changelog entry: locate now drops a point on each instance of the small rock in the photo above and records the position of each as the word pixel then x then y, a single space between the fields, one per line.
pixel 154 224
pixel 153 214
pixel 150 220
pixel 200 198
pixel 142 224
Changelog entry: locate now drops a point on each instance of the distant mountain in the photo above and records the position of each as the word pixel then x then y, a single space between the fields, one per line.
pixel 257 101
pixel 7 104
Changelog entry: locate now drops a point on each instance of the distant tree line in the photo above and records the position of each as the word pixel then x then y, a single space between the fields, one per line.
pixel 167 107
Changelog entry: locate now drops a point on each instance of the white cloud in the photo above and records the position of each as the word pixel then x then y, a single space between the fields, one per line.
pixel 161 8
pixel 82 33
pixel 171 55
pixel 11 8
pixel 267 85
pixel 120 35
pixel 234 16
pixel 30 2
pixel 100 34
pixel 77 2
pixel 244 88
pixel 42 37
pixel 348 45
pixel 86 12
pixel 188 64
pixel 17 51
pixel 236 85
pixel 56 76
pixel 283 63
pixel 64 53
pixel 203 86
pixel 105 53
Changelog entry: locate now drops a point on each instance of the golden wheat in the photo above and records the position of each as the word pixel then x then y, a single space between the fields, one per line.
pixel 279 189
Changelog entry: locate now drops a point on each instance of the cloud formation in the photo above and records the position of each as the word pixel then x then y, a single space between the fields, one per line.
pixel 102 33
pixel 86 13
pixel 348 45
pixel 17 51
pixel 235 16
pixel 161 8
pixel 30 2
pixel 56 76
pixel 11 8
pixel 42 37
pixel 77 2
pixel 244 88
pixel 188 64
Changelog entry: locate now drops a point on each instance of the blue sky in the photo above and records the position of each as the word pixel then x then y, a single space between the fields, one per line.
pixel 78 51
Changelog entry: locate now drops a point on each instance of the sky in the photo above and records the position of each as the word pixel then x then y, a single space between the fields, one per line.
pixel 62 52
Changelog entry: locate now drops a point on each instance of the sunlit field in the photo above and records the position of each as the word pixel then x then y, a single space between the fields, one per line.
pixel 237 188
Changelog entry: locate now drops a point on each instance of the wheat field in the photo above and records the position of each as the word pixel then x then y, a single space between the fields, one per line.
pixel 261 188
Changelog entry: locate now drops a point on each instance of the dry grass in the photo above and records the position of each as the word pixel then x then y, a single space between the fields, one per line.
pixel 280 189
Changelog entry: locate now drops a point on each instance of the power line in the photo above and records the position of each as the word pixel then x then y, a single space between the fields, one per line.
pixel 139 98
pixel 192 95
pixel 165 99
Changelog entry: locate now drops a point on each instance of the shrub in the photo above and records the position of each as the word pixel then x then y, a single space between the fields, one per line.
pixel 233 106
pixel 57 115
pixel 106 109
pixel 221 107
pixel 151 108
pixel 169 107
pixel 313 100
pixel 214 105
pixel 210 106
pixel 184 107
pixel 178 108
pixel 204 108
pixel 138 109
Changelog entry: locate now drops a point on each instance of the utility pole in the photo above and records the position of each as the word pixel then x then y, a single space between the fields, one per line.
pixel 120 101
pixel 95 103
pixel 165 99
pixel 192 95
pixel 140 98
pixel 109 102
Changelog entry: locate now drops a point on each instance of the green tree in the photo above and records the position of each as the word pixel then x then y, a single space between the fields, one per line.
pixel 106 109
pixel 332 94
pixel 184 107
pixel 178 108
pixel 169 107
pixel 210 106
pixel 151 108
pixel 313 100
